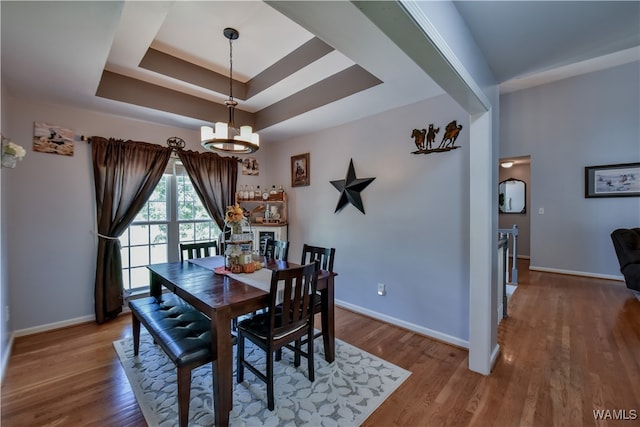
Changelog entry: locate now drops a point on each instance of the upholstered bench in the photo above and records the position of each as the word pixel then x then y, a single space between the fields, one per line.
pixel 181 331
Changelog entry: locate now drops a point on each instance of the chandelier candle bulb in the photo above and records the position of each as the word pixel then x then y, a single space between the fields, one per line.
pixel 206 133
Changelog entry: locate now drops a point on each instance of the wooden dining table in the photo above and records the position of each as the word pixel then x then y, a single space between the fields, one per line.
pixel 223 298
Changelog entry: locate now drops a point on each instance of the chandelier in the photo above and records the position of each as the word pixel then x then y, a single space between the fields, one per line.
pixel 226 137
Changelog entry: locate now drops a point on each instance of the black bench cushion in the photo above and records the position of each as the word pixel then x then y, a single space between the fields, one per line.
pixel 182 331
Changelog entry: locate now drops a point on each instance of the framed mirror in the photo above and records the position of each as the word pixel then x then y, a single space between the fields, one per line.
pixel 512 194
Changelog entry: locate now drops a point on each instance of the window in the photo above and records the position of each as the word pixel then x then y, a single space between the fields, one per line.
pixel 172 215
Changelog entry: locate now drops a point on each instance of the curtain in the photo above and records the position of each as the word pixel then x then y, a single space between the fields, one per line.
pixel 214 178
pixel 125 175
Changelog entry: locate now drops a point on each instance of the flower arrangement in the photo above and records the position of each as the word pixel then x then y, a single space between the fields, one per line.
pixel 235 214
pixel 11 152
pixel 13 149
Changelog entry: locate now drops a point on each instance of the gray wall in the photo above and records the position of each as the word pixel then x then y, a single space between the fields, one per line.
pixel 564 126
pixel 5 327
pixel 414 236
pixel 49 214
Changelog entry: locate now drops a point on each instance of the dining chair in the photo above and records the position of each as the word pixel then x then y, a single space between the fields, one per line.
pixel 198 250
pixel 276 249
pixel 317 253
pixel 288 319
pixel 324 256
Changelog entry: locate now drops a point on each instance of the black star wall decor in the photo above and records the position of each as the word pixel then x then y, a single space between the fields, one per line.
pixel 350 189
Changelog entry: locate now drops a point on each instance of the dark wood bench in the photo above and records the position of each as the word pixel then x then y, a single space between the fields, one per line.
pixel 182 332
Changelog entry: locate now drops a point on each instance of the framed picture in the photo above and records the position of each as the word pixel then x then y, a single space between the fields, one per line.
pixel 48 138
pixel 300 172
pixel 250 166
pixel 622 180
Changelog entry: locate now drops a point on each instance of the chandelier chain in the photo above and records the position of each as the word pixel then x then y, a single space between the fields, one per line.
pixel 231 69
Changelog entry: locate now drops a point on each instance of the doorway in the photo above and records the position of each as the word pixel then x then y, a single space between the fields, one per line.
pixel 518 168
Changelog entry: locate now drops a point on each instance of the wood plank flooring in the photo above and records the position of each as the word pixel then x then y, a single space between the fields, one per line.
pixel 570 345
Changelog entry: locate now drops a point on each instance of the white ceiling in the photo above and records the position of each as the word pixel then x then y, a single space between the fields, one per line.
pixel 60 51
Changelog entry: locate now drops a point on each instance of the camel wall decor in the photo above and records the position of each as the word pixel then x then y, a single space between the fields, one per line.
pixel 425 138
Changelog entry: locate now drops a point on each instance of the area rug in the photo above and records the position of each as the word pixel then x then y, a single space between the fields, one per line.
pixel 343 394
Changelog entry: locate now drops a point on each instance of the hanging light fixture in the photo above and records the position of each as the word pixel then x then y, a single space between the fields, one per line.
pixel 226 137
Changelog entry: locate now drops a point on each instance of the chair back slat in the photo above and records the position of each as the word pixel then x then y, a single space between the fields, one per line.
pixel 316 253
pixel 198 250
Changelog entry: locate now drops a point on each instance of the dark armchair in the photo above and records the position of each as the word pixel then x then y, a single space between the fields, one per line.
pixel 626 242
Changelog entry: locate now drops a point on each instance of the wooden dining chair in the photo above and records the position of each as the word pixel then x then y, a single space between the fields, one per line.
pixel 285 322
pixel 276 249
pixel 316 253
pixel 198 250
pixel 324 256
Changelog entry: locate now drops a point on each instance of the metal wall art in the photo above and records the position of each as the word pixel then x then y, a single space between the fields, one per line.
pixel 350 189
pixel 425 138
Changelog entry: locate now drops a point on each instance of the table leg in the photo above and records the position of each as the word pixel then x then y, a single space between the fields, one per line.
pixel 328 321
pixel 155 285
pixel 222 371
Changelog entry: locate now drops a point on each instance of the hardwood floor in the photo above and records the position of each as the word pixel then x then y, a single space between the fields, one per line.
pixel 570 345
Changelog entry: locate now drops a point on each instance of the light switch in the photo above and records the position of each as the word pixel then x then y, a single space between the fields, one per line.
pixel 540 211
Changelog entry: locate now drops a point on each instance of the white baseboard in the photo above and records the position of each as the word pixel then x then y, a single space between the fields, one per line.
pixel 5 358
pixel 449 339
pixel 55 325
pixel 494 356
pixel 577 273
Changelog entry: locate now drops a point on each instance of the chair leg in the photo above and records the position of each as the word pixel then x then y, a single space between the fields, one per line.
pixel 135 326
pixel 310 365
pixel 278 354
pixel 184 392
pixel 270 398
pixel 240 358
pixel 296 353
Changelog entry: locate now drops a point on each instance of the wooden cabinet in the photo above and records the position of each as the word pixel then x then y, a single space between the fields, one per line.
pixel 261 233
pixel 269 218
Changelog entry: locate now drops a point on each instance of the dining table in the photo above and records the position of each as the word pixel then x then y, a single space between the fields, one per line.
pixel 223 297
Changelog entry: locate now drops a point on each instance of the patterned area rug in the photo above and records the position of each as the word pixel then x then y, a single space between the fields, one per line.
pixel 343 394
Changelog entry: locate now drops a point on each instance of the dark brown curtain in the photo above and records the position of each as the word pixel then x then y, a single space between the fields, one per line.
pixel 125 175
pixel 214 178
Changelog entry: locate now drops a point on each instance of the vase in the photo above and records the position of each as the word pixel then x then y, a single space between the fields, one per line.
pixel 236 228
pixel 9 161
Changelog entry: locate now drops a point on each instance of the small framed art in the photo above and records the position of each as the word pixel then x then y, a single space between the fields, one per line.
pixel 621 180
pixel 48 138
pixel 300 170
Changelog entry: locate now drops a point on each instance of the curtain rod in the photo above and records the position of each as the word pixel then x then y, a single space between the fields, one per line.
pixel 175 142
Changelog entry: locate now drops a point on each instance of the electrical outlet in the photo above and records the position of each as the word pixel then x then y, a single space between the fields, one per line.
pixel 381 289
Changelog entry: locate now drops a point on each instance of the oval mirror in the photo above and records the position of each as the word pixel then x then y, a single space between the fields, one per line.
pixel 512 196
